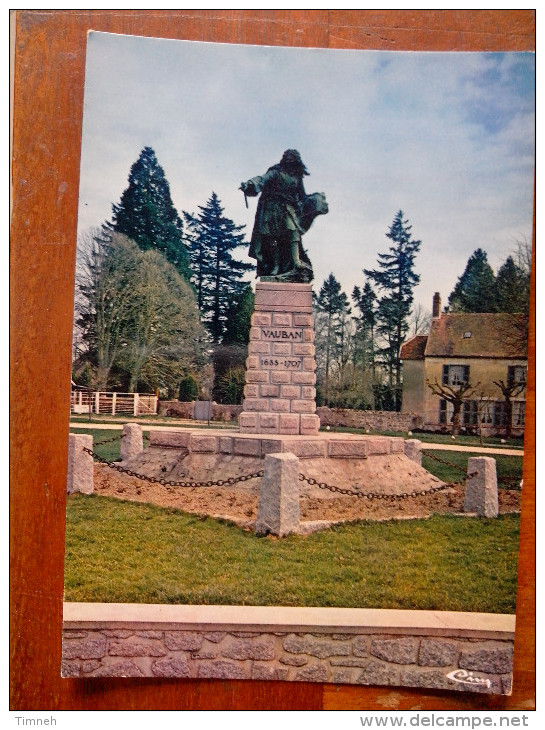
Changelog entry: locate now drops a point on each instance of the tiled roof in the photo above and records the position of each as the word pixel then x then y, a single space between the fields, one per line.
pixel 475 335
pixel 414 348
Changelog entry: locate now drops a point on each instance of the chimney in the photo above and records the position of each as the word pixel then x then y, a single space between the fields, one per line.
pixel 436 310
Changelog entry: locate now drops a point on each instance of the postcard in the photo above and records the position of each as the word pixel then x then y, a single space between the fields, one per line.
pixel 299 364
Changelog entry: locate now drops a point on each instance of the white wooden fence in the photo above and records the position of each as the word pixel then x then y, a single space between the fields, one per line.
pixel 137 404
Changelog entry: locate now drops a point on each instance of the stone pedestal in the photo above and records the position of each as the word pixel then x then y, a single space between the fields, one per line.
pixel 280 390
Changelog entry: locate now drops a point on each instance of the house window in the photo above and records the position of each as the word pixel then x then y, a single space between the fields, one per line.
pixel 455 374
pixel 470 413
pixel 499 415
pixel 516 374
pixel 519 407
pixel 487 412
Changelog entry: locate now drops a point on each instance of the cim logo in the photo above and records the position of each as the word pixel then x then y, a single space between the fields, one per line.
pixel 460 675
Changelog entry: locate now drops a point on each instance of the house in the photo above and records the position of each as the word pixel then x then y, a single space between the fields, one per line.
pixel 477 349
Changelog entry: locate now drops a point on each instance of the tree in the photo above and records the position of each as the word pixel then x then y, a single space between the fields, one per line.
pixel 164 332
pixel 216 275
pixel 137 316
pixel 455 394
pixel 332 310
pixel 104 286
pixel 420 320
pixel 511 292
pixel 509 389
pixel 475 290
pixel 230 355
pixel 396 279
pixel 365 301
pixel 146 213
pixel 239 315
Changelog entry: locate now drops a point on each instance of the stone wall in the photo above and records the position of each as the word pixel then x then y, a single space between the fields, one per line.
pixel 373 420
pixel 179 409
pixel 434 656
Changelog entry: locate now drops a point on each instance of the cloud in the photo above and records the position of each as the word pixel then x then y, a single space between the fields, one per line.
pixel 447 138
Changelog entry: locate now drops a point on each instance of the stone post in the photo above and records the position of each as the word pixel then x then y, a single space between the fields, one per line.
pixel 80 464
pixel 413 450
pixel 132 441
pixel 481 487
pixel 278 509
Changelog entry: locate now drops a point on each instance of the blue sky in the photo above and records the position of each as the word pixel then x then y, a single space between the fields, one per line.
pixel 447 138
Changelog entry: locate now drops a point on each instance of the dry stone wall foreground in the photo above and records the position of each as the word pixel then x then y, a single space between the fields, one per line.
pixel 457 662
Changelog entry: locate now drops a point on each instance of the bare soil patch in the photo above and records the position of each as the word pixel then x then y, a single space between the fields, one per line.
pixel 239 503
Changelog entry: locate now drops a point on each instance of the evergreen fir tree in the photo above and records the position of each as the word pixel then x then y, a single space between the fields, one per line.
pixel 216 275
pixel 365 301
pixel 147 215
pixel 396 278
pixel 511 289
pixel 332 309
pixel 475 290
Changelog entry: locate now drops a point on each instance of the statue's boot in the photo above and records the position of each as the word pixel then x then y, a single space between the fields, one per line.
pixel 276 263
pixel 297 263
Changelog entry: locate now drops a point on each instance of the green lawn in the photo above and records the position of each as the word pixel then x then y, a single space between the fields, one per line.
pixel 515 442
pixel 124 552
pixel 508 468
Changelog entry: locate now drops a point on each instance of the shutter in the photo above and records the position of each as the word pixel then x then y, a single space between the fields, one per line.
pixel 510 374
pixel 466 373
pixel 445 374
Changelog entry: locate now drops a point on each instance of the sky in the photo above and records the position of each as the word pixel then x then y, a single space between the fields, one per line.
pixel 448 138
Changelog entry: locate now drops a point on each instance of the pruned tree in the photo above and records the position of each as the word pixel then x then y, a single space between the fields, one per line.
pixel 509 390
pixel 456 395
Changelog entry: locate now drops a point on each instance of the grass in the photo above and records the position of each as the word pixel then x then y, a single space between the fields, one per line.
pixel 151 419
pixel 508 468
pixel 124 552
pixel 515 442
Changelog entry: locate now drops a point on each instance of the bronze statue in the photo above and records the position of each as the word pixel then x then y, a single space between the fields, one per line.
pixel 284 213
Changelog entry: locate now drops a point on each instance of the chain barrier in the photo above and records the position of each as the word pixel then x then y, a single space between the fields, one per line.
pixel 374 495
pixel 302 477
pixel 109 441
pixel 444 462
pixel 166 482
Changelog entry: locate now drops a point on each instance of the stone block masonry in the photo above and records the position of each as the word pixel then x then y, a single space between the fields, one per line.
pixel 443 650
pixel 279 395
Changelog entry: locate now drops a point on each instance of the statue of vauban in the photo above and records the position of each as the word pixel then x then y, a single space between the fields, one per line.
pixel 284 213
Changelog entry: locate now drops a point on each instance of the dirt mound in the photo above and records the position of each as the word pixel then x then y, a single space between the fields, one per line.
pixel 239 504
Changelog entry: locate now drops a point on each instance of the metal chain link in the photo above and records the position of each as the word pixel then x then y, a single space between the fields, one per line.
pixel 259 474
pixel 443 461
pixel 374 495
pixel 166 482
pixel 109 441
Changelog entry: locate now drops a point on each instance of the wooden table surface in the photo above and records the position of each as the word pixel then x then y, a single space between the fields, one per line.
pixel 48 48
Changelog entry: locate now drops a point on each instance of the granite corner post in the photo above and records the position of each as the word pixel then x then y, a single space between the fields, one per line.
pixel 280 389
